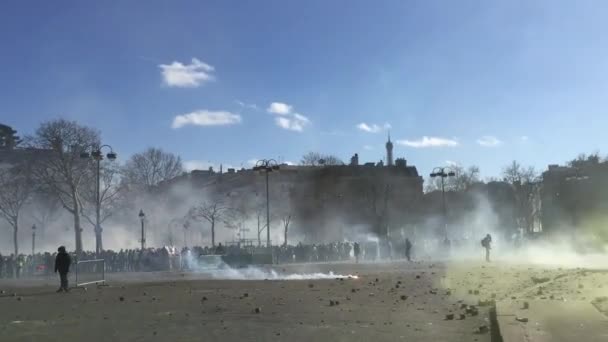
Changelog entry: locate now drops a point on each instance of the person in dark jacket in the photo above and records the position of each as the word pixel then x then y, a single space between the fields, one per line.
pixel 408 249
pixel 62 265
pixel 486 243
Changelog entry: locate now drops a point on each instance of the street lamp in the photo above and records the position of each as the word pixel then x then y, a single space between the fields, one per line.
pixel 142 218
pixel 186 225
pixel 33 240
pixel 97 156
pixel 443 172
pixel 267 165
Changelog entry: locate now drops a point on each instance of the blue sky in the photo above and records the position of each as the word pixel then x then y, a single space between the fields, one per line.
pixel 485 82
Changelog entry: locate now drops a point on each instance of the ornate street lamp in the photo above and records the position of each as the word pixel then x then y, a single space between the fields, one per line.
pixel 267 166
pixel 97 155
pixel 443 172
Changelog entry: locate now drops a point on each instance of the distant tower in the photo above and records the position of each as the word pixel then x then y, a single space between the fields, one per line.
pixel 389 151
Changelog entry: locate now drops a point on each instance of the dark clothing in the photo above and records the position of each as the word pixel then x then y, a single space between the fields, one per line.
pixel 486 242
pixel 64 281
pixel 408 249
pixel 62 262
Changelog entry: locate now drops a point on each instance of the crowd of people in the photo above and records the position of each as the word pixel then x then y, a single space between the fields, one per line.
pixel 170 258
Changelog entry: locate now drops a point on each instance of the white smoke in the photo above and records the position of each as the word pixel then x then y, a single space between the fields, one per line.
pixel 214 267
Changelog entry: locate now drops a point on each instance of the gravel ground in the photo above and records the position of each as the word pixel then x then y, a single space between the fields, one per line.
pixel 387 302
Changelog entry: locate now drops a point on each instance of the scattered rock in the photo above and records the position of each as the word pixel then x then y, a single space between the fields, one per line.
pixel 537 280
pixel 121 298
pixel 417 276
pixel 526 306
pixel 403 297
pixel 257 310
pixel 449 317
pixel 482 329
pixel 353 290
pixel 462 316
pixel 245 294
pixel 203 299
pixel 522 319
pixel 310 286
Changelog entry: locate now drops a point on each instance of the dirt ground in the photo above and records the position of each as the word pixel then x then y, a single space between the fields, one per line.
pixel 388 302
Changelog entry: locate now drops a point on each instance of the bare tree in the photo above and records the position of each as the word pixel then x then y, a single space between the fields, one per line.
pixel 151 167
pixel 463 179
pixel 583 160
pixel 110 190
pixel 514 172
pixel 286 219
pixel 526 186
pixel 235 219
pixel 16 188
pixel 61 169
pixel 260 213
pixel 318 159
pixel 44 209
pixel 213 212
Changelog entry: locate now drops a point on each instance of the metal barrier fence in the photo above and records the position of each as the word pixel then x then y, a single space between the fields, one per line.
pixel 97 281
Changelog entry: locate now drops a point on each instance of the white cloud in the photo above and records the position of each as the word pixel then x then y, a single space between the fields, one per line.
pixel 191 75
pixel 287 162
pixel 247 105
pixel 295 122
pixel 368 147
pixel 279 108
pixel 489 141
pixel 429 142
pixel 286 118
pixel 206 118
pixel 452 163
pixel 524 138
pixel 372 128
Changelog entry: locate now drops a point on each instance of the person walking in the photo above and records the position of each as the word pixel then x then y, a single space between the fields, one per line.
pixel 62 265
pixel 408 249
pixel 486 243
pixel 357 251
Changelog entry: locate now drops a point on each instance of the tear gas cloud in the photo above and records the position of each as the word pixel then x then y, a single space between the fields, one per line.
pixel 165 216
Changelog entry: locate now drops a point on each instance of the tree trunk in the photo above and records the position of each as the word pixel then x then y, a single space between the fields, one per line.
pixel 213 233
pixel 285 242
pixel 15 240
pixel 98 240
pixel 77 230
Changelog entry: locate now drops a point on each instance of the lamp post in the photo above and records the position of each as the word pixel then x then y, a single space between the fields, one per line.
pixel 97 156
pixel 267 165
pixel 33 240
pixel 443 172
pixel 186 225
pixel 142 218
